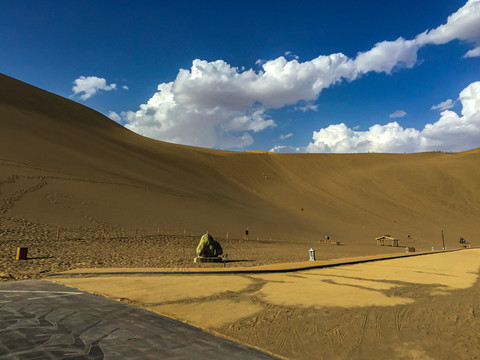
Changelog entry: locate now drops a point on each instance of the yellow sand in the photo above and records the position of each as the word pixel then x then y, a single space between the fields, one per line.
pixel 108 178
pixel 362 284
pixel 347 286
pixel 66 166
pixel 153 290
pixel 206 314
pixel 310 290
pixel 400 308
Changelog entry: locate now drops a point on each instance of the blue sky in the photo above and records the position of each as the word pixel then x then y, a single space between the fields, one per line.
pixel 264 74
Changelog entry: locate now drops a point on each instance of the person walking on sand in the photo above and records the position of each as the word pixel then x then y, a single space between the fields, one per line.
pixel 245 237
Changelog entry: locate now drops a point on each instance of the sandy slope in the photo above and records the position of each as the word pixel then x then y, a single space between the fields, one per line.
pixel 422 307
pixel 64 165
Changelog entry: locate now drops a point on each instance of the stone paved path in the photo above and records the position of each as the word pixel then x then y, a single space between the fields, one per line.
pixel 43 320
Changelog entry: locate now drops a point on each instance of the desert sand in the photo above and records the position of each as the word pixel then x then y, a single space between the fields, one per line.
pixel 78 252
pixel 81 191
pixel 64 166
pixel 421 307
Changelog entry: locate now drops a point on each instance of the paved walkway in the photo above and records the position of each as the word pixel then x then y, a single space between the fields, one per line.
pixel 261 269
pixel 43 320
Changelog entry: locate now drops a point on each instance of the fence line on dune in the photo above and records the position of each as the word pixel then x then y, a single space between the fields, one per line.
pixel 39 232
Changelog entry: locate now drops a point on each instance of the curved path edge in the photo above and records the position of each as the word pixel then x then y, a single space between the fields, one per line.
pixel 272 268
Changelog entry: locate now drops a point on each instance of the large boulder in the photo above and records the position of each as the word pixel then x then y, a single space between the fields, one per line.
pixel 208 247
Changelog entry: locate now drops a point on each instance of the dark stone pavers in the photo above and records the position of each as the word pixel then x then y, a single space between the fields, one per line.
pixel 43 320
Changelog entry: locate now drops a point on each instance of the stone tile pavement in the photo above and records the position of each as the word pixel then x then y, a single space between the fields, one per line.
pixel 43 320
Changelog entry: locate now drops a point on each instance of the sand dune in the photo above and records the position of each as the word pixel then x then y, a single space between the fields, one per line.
pixel 83 192
pixel 64 165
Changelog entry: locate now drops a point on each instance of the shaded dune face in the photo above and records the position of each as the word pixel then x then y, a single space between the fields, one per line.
pixel 63 164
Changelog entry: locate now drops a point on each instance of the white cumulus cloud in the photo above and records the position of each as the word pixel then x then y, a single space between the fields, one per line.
pixel 87 86
pixel 290 54
pixel 287 149
pixel 385 56
pixel 286 136
pixel 215 104
pixel 473 53
pixel 114 116
pixel 462 25
pixel 397 114
pixel 444 105
pixel 450 133
pixel 307 107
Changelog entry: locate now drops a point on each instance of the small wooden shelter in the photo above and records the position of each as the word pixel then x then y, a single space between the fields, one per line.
pixel 386 240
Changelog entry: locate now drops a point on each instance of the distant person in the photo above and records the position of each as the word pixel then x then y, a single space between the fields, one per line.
pixel 245 237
